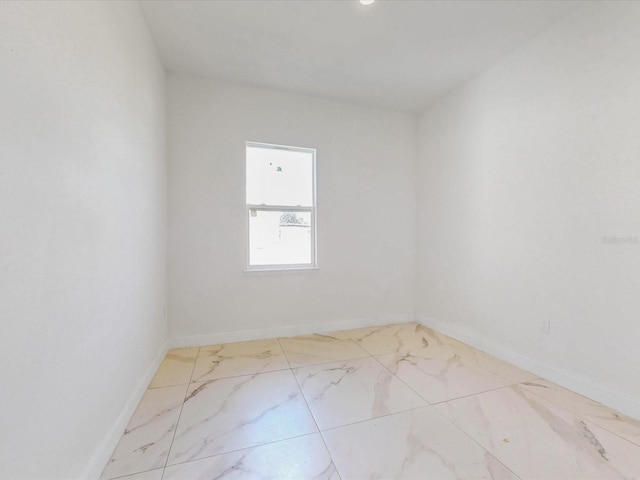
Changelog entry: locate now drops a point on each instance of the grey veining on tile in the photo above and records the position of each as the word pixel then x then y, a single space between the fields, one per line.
pixel 320 348
pixel 418 444
pixel 397 338
pixel 176 368
pixel 441 373
pixel 298 458
pixel 607 418
pixel 146 441
pixel 228 414
pixel 235 359
pixel 537 439
pixel 354 390
pixel 253 410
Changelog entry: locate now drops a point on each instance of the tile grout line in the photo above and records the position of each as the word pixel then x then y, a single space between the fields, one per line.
pixel 450 399
pixel 475 441
pixel 239 375
pixel 220 454
pixel 370 355
pixel 180 415
pixel 290 368
pixel 284 352
pixel 512 384
pixel 509 383
pixel 349 339
pixel 401 380
pixel 375 418
pixel 412 389
pixel 149 388
pixel 472 394
pixel 427 404
pixel 329 362
pixel 311 413
pixel 124 477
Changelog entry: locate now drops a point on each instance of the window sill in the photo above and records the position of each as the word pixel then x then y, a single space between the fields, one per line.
pixel 280 270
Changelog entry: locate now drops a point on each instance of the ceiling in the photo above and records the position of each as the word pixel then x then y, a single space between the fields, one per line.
pixel 393 54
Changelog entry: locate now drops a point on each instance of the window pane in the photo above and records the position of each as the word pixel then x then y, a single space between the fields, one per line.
pixel 279 177
pixel 279 237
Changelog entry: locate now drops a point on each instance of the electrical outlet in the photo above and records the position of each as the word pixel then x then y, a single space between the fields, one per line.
pixel 545 326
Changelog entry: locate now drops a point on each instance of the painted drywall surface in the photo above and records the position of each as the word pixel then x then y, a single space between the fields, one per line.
pixel 524 175
pixel 365 211
pixel 83 227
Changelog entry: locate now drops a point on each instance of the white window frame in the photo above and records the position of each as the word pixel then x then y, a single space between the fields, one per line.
pixel 313 264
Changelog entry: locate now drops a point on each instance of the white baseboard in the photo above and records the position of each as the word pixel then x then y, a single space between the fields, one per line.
pixel 287 331
pixel 606 396
pixel 105 450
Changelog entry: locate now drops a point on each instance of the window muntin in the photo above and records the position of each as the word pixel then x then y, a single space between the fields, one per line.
pixel 280 196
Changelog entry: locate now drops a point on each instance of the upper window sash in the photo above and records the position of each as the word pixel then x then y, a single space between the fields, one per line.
pixel 279 175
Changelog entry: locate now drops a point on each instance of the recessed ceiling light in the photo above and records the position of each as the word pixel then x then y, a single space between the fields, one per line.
pixel 367 2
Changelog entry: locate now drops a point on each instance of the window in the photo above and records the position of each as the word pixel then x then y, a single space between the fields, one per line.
pixel 281 212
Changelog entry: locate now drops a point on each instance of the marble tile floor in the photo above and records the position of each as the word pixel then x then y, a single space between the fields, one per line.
pixel 390 402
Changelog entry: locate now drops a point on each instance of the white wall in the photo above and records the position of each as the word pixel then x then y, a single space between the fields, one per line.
pixel 366 213
pixel 521 174
pixel 82 219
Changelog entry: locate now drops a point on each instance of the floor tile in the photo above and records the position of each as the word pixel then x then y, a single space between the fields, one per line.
pixel 419 444
pixel 316 349
pixel 176 368
pixel 235 359
pixel 150 475
pixel 493 364
pixel 440 373
pixel 354 390
pixel 228 414
pixel 609 419
pixel 295 459
pixel 537 439
pixel 247 414
pixel 146 441
pixel 396 338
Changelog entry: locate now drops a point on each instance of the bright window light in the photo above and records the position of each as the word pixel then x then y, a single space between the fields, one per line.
pixel 280 184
